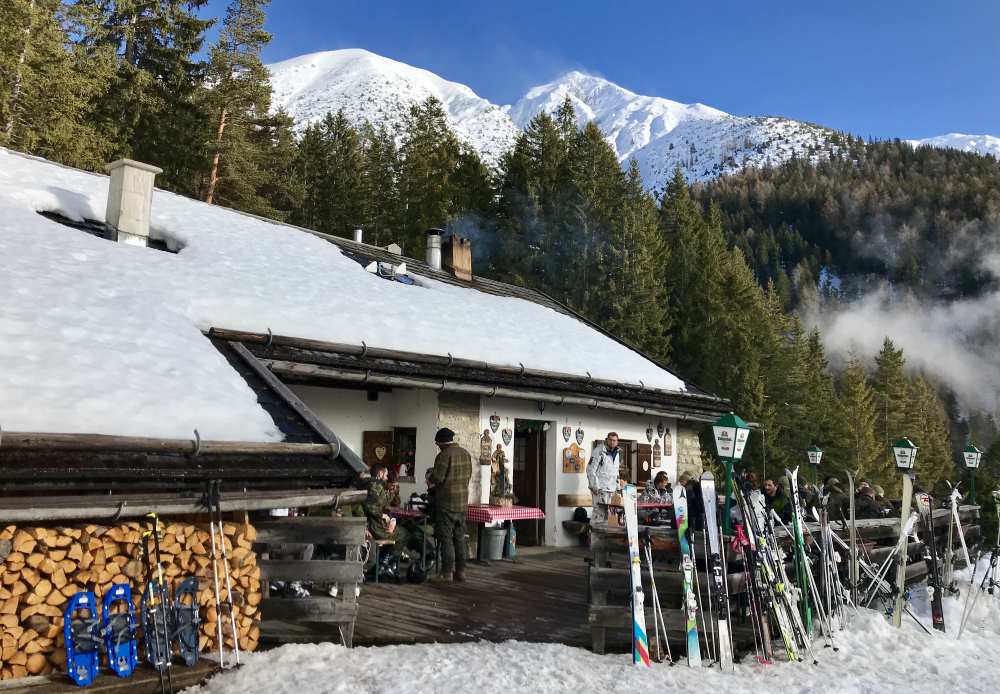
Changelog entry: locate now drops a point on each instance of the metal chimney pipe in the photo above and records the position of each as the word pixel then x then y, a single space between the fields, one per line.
pixel 434 248
pixel 358 236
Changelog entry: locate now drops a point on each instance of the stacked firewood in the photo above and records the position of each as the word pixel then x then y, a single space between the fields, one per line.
pixel 43 567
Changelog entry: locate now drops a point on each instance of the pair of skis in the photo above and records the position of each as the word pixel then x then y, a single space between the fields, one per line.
pixel 719 584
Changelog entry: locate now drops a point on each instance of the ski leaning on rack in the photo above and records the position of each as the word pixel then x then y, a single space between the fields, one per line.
pixel 801 557
pixel 220 563
pixel 719 583
pixel 852 571
pixel 689 602
pixel 640 643
pixel 925 505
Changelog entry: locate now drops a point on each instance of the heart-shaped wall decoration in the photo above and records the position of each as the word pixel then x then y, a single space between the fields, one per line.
pixel 660 429
pixel 649 434
pixel 567 433
pixel 380 452
pixel 579 436
pixel 494 423
pixel 507 436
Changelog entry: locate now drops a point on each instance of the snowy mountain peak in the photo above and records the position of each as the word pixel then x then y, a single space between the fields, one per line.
pixel 981 144
pixel 371 87
pixel 658 133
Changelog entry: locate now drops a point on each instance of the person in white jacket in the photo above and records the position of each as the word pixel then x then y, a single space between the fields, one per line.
pixel 603 477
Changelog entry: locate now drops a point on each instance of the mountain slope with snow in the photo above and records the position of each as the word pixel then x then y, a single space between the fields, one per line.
pixel 981 144
pixel 661 134
pixel 369 87
pixel 658 133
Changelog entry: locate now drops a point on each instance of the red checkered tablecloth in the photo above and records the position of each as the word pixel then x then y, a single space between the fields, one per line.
pixel 490 514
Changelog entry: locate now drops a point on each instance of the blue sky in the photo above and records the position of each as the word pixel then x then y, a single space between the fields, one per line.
pixel 883 68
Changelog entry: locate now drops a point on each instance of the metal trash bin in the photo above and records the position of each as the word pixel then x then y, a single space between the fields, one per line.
pixel 493 542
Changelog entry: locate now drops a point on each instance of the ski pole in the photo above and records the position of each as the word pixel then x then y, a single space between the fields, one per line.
pixel 226 571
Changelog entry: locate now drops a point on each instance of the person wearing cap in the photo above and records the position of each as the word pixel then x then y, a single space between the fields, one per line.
pixel 450 476
pixel 603 476
pixel 866 506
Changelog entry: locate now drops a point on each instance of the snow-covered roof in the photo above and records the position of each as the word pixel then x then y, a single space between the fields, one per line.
pixel 103 337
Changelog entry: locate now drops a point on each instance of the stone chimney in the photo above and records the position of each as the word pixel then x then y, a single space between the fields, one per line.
pixel 434 248
pixel 456 257
pixel 130 198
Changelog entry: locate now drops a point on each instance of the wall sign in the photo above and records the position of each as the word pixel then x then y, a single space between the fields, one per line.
pixel 574 460
pixel 649 434
pixel 567 433
pixel 507 436
pixel 668 445
pixel 494 423
pixel 579 436
pixel 656 454
pixel 660 429
pixel 485 448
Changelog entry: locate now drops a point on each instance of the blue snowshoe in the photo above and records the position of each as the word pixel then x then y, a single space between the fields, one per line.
pixel 186 620
pixel 156 627
pixel 118 629
pixel 82 633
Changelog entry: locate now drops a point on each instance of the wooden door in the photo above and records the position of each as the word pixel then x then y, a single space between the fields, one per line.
pixel 529 483
pixel 643 463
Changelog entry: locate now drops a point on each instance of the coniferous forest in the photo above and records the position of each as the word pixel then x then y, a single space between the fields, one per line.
pixel 708 279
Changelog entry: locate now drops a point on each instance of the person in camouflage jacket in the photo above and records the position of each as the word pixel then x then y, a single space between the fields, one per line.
pixel 376 505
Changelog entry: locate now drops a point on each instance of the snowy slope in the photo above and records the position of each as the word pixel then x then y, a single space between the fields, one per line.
pixel 103 337
pixel 982 144
pixel 368 86
pixel 661 134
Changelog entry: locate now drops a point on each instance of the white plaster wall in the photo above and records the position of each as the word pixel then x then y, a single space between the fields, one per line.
pixel 595 424
pixel 349 413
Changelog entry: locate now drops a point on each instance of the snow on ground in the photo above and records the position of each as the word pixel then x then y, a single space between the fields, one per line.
pixel 103 337
pixel 872 657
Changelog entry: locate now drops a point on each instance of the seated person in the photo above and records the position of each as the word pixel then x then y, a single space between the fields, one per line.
pixel 658 490
pixel 416 528
pixel 866 505
pixel 380 525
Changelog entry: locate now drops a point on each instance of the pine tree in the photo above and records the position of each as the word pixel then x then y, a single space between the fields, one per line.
pixel 695 278
pixel 930 425
pixel 282 189
pixel 150 110
pixel 381 172
pixel 237 102
pixel 637 300
pixel 856 409
pixel 48 86
pixel 342 187
pixel 583 263
pixel 891 397
pixel 430 155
